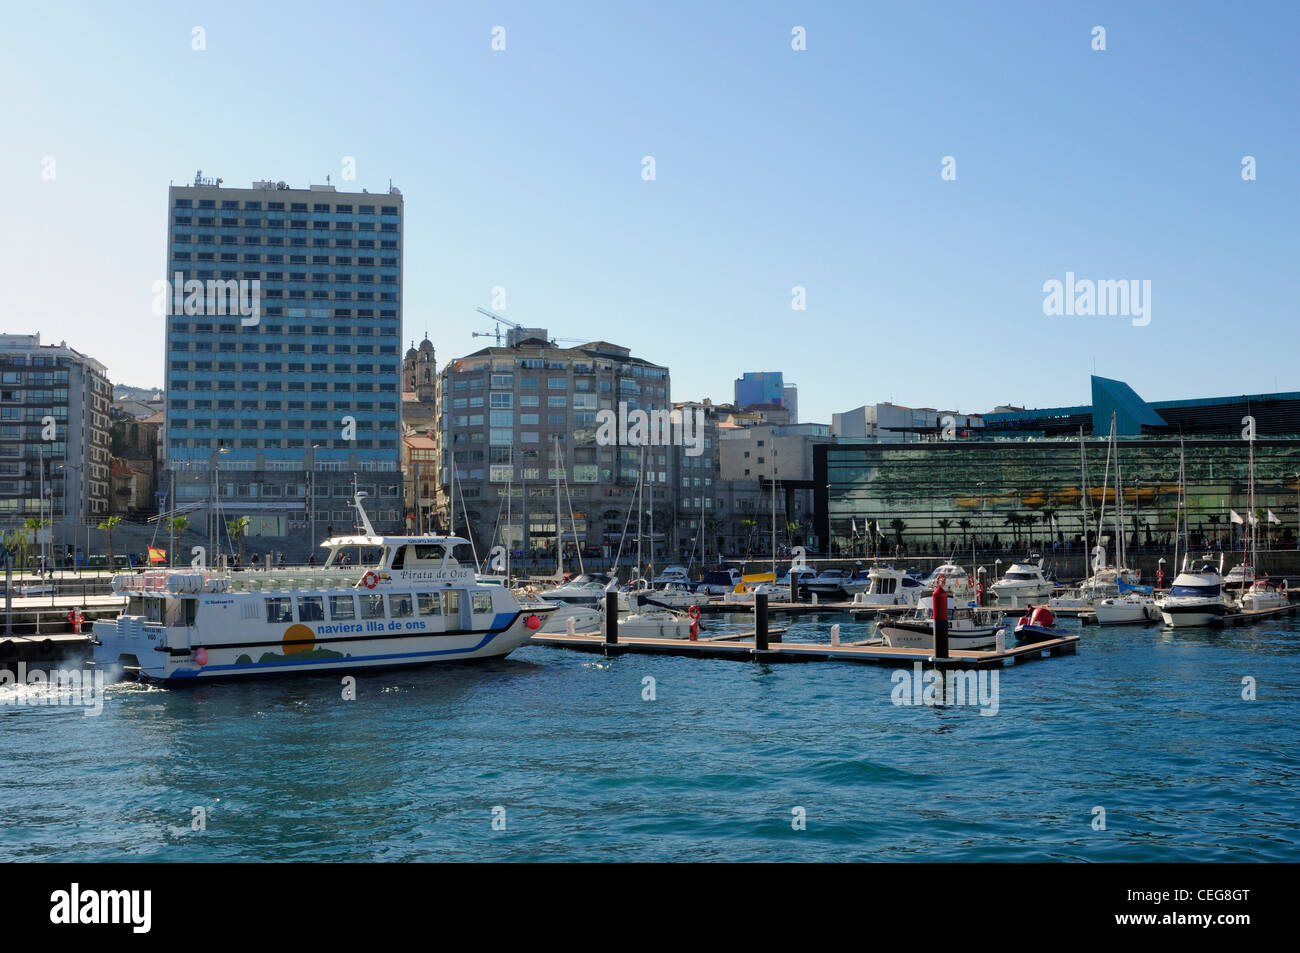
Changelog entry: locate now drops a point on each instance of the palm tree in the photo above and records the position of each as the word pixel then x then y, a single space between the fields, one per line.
pixel 943 525
pixel 178 525
pixel 1014 520
pixel 898 526
pixel 107 526
pixel 965 531
pixel 237 528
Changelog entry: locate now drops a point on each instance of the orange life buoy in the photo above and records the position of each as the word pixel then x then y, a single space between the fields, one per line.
pixel 370 579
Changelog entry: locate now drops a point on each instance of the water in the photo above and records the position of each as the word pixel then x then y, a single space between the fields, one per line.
pixel 1146 724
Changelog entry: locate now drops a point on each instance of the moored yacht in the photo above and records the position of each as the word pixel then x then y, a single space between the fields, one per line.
pixel 413 603
pixel 1024 581
pixel 589 588
pixel 960 585
pixel 1196 598
pixel 837 582
pixel 1262 595
pixel 887 586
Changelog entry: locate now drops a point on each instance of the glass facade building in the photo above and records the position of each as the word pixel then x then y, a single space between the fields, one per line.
pixel 312 384
pixel 1025 494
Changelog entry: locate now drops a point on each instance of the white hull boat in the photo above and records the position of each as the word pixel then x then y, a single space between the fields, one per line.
pixel 1196 598
pixel 1131 608
pixel 968 628
pixel 414 605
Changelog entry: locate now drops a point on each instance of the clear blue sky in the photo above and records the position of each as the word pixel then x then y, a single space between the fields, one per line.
pixel 775 168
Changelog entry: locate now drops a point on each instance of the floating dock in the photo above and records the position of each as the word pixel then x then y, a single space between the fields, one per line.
pixel 744 647
pixel 765 645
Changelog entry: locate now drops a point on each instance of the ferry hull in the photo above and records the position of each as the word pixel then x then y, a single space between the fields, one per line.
pixel 176 666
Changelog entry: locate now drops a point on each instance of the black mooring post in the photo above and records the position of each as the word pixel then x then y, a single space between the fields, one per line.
pixel 760 621
pixel 611 618
pixel 940 622
pixel 794 586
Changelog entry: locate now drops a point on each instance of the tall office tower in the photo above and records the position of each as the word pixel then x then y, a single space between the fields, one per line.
pixel 284 315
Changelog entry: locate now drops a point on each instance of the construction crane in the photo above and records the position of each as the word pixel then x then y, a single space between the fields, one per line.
pixel 516 326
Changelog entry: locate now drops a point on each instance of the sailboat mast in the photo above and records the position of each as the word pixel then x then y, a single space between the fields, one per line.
pixel 774 521
pixel 1120 562
pixel 1083 501
pixel 559 535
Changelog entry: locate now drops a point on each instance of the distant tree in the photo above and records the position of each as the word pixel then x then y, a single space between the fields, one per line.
pixel 108 526
pixel 943 525
pixel 177 525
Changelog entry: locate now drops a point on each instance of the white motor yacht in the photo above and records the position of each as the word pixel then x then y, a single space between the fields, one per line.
pixel 1262 595
pixel 887 586
pixel 1196 598
pixel 837 582
pixel 1024 581
pixel 586 589
pixel 957 581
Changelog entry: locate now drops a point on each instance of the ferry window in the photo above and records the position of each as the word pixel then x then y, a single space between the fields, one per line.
pixel 430 603
pixel 372 606
pixel 428 552
pixel 451 604
pixel 342 607
pixel 311 609
pixel 279 609
pixel 482 601
pixel 191 610
pixel 400 559
pixel 400 606
pixel 153 610
pixel 135 606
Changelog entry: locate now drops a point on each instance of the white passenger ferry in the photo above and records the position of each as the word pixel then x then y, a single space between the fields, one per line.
pixel 412 604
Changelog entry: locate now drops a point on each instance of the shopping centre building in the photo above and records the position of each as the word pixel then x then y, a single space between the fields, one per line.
pixel 1017 485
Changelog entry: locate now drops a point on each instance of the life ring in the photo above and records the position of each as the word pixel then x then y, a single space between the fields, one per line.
pixel 370 579
pixel 694 613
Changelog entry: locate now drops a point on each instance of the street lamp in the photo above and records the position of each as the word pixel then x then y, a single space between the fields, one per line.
pixel 311 495
pixel 214 502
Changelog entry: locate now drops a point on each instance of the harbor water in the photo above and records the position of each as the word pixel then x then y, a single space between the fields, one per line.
pixel 1139 748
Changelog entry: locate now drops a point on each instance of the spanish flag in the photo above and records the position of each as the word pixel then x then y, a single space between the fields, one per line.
pixel 157 555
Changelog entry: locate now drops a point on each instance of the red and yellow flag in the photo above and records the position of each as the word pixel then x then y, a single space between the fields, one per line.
pixel 157 555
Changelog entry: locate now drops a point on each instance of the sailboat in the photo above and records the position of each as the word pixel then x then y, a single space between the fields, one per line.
pixel 1256 594
pixel 1132 602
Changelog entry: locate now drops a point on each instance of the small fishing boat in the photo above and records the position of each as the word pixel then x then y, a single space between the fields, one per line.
pixel 969 627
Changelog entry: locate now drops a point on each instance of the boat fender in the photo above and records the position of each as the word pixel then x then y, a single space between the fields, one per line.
pixel 201 656
pixel 533 622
